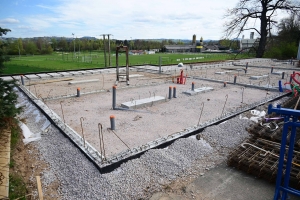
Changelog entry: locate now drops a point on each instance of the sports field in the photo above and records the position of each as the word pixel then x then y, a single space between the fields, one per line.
pixel 60 61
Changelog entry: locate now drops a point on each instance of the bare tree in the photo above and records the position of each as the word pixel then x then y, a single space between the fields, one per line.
pixel 263 10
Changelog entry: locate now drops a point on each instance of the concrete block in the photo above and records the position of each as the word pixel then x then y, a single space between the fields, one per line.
pixel 258 77
pixel 84 81
pixel 44 75
pixel 55 75
pixel 198 91
pixel 32 76
pixel 277 73
pixel 143 102
pixel 65 73
pixel 7 78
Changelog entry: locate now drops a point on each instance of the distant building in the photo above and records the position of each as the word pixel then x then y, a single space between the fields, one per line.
pixel 248 43
pixel 180 48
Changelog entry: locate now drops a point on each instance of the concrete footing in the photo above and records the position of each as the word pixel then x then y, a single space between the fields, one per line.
pixel 143 102
pixel 198 90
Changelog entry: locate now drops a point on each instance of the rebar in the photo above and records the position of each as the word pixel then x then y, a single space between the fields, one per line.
pixel 49 93
pixel 200 113
pixel 119 138
pixel 224 104
pixel 82 119
pixel 101 144
pixel 62 111
pixel 243 88
pixel 36 94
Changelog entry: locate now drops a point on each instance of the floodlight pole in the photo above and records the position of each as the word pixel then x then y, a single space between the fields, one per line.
pixel 74 45
pixel 105 64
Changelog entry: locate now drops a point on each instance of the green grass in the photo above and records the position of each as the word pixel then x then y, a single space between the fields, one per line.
pixel 64 61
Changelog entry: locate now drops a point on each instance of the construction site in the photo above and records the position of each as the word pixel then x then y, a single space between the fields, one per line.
pixel 165 132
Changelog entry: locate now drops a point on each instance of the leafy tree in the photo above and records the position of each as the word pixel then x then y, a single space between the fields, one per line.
pixel 8 98
pixel 263 10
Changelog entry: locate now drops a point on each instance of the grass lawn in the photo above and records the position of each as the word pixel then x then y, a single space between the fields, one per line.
pixel 66 61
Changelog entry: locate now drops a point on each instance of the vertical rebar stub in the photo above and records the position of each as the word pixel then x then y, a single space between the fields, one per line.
pixel 174 92
pixel 22 79
pixel 112 122
pixel 78 92
pixel 114 101
pixel 170 92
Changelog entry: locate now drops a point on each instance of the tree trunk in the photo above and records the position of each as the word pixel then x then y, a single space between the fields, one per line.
pixel 263 32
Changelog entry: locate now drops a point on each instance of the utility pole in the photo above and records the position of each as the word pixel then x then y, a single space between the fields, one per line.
pixel 109 59
pixel 104 47
pixel 74 45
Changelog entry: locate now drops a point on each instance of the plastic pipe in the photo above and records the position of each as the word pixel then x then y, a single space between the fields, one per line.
pixel 170 92
pixel 234 80
pixel 78 92
pixel 193 86
pixel 283 73
pixel 272 69
pixel 174 92
pixel 114 101
pixel 225 84
pixel 247 65
pixel 112 122
pixel 280 86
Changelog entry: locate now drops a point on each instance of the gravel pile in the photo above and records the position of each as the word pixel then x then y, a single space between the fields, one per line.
pixel 228 134
pixel 135 179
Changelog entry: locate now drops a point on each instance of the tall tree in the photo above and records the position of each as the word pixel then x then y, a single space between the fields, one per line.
pixel 8 98
pixel 263 10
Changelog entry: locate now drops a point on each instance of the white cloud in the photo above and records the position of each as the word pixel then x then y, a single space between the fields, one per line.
pixel 9 21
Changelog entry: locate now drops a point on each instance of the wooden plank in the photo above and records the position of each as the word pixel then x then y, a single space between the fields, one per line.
pixel 39 186
pixel 4 163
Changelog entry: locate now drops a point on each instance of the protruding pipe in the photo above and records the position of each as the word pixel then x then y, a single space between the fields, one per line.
pixel 291 79
pixel 245 71
pixel 234 80
pixel 78 92
pixel 246 65
pixel 280 86
pixel 283 73
pixel 272 68
pixel 225 84
pixel 112 122
pixel 174 92
pixel 114 97
pixel 22 79
pixel 170 92
pixel 193 86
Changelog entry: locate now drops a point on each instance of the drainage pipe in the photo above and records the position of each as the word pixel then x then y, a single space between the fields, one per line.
pixel 193 86
pixel 283 73
pixel 114 98
pixel 174 92
pixel 22 79
pixel 112 122
pixel 234 80
pixel 78 92
pixel 170 92
pixel 272 69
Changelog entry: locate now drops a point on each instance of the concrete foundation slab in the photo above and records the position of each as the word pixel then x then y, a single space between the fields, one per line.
pixel 198 90
pixel 84 81
pixel 258 77
pixel 143 102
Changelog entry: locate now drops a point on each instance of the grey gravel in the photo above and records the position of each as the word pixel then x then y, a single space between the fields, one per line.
pixel 134 179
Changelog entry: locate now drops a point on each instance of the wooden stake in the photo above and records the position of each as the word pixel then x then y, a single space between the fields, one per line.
pixel 39 186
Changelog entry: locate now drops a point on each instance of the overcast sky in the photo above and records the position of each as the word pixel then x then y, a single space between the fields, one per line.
pixel 124 19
